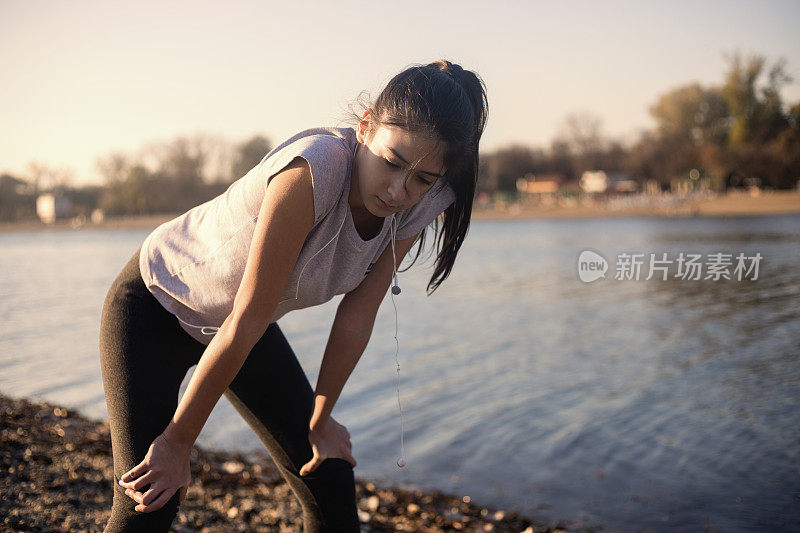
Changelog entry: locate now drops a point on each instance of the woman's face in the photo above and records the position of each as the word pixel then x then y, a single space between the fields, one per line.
pixel 382 170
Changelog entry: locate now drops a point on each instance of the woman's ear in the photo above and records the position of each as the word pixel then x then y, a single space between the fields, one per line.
pixel 364 126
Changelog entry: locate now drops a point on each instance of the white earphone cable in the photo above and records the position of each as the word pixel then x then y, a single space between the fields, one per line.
pixel 402 461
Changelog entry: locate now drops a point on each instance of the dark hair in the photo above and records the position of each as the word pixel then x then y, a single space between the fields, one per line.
pixel 442 99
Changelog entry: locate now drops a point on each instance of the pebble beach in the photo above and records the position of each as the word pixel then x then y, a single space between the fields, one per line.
pixel 56 474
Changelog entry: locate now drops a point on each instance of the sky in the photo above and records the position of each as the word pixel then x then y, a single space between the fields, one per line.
pixel 83 79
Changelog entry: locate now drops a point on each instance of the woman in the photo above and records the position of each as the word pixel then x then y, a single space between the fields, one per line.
pixel 329 211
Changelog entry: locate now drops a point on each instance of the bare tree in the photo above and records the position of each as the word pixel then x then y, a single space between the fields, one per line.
pixel 115 167
pixel 46 178
pixel 248 154
pixel 582 134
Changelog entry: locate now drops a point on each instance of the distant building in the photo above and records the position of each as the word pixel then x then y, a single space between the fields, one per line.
pixel 540 184
pixel 98 215
pixel 736 180
pixel 483 199
pixel 49 208
pixel 594 181
pixel 600 181
pixel 622 183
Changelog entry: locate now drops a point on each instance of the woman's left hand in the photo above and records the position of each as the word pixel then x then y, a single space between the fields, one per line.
pixel 329 440
pixel 165 469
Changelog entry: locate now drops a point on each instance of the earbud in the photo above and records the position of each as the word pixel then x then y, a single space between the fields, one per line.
pixel 402 461
pixel 395 287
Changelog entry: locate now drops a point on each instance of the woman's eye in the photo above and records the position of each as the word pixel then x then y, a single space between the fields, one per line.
pixel 420 178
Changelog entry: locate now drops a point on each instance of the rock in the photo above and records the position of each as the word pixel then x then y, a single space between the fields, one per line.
pixel 248 504
pixel 372 503
pixel 232 467
pixel 454 515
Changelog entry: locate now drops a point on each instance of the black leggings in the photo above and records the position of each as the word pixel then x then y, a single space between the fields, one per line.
pixel 145 355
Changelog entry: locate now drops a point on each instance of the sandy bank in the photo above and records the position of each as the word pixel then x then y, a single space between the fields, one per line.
pixel 730 204
pixel 723 205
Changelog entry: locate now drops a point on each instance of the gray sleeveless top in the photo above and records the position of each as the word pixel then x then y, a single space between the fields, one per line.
pixel 194 264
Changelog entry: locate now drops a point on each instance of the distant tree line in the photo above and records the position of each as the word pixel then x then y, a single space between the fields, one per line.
pixel 163 177
pixel 732 132
pixel 175 176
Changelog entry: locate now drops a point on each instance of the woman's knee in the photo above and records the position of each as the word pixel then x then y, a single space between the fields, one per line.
pixel 332 485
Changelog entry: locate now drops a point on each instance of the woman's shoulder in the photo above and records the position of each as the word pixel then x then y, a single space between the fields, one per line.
pixel 325 139
pixel 328 152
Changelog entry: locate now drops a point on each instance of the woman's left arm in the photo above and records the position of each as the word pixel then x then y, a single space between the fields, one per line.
pixel 350 333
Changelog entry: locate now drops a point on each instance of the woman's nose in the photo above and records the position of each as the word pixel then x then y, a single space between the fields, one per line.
pixel 397 187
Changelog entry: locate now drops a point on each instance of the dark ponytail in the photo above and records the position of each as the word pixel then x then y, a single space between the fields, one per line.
pixel 443 99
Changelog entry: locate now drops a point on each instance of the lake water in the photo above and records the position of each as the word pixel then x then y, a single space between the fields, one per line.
pixel 648 405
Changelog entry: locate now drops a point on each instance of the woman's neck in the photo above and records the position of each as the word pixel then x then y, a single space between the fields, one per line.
pixel 367 225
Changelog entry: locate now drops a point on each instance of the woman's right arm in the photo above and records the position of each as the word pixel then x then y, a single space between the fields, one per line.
pixel 284 221
pixel 285 218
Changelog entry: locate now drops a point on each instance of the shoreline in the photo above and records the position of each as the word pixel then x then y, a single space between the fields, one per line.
pixel 58 474
pixel 732 204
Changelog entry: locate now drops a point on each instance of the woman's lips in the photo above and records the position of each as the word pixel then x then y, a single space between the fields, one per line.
pixel 384 204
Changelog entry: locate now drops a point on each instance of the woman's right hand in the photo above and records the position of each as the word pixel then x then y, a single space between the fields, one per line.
pixel 165 468
pixel 329 440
